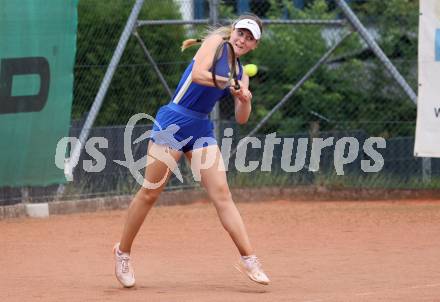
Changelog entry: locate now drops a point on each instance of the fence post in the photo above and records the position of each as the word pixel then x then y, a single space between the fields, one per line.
pixel 214 19
pixel 426 170
pixel 363 32
pixel 77 148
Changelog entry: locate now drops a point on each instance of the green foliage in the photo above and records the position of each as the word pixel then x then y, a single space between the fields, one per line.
pixel 354 91
pixel 135 86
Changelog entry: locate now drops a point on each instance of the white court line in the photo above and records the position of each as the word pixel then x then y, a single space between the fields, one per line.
pixel 381 291
pixel 426 285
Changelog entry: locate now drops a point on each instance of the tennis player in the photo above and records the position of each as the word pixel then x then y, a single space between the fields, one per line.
pixel 189 109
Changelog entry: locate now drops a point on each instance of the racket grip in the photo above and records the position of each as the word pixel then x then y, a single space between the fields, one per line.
pixel 236 85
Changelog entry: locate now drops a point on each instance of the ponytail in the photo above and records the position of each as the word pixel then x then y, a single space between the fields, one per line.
pixel 224 31
pixel 190 42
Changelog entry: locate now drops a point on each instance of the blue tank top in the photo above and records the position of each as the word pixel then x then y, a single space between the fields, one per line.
pixel 202 98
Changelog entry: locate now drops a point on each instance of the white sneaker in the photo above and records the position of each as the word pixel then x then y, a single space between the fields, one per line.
pixel 251 267
pixel 123 269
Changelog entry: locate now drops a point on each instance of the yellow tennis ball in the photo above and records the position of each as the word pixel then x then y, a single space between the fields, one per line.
pixel 251 69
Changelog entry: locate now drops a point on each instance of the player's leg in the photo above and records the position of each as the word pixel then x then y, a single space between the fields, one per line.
pixel 158 173
pixel 213 177
pixel 216 185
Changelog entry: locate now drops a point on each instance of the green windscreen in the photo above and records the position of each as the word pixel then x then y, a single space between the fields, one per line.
pixel 37 54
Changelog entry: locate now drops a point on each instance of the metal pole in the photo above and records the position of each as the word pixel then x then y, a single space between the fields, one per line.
pixel 171 22
pixel 215 114
pixel 309 73
pixel 356 23
pixel 426 170
pixel 336 23
pixel 77 148
pixel 153 63
pixel 317 22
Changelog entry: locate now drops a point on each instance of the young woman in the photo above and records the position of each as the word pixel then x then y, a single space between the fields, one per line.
pixel 192 102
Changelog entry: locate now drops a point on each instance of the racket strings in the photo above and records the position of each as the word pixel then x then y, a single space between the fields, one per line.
pixel 232 64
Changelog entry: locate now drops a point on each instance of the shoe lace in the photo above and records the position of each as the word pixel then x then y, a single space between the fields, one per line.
pixel 124 264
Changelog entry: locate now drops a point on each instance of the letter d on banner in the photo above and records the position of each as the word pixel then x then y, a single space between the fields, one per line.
pixel 428 104
pixel 37 56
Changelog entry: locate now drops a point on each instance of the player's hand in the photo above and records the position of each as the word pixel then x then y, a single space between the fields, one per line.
pixel 243 94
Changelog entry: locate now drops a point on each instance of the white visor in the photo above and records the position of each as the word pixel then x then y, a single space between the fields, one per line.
pixel 251 25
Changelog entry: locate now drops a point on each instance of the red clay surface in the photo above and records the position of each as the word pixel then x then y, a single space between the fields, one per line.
pixel 313 251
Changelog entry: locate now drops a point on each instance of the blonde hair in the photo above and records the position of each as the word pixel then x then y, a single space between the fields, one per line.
pixel 223 31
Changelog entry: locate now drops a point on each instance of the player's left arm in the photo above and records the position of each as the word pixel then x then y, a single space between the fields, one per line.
pixel 242 100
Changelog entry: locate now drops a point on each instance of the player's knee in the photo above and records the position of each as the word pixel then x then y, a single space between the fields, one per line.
pixel 221 194
pixel 148 196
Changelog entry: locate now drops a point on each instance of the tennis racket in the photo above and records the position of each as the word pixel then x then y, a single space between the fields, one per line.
pixel 232 62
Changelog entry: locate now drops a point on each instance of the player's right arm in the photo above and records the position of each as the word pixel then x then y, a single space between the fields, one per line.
pixel 203 62
pixel 242 100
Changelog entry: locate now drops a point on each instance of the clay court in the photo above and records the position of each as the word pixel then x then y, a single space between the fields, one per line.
pixel 313 251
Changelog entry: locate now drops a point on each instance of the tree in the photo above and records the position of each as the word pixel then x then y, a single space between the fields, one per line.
pixel 354 91
pixel 135 87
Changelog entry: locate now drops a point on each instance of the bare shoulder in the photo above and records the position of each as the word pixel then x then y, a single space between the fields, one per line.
pixel 212 40
pixel 207 50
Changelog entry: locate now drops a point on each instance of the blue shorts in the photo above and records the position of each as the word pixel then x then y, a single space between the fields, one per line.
pixel 182 129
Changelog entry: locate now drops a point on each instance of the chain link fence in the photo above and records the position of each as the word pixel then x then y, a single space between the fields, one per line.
pixel 350 95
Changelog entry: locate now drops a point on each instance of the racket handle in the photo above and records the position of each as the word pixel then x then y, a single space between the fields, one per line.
pixel 236 85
